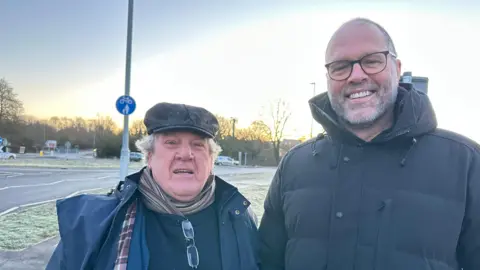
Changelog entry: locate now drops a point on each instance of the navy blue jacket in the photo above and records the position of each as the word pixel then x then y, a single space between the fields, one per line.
pixel 89 227
pixel 407 200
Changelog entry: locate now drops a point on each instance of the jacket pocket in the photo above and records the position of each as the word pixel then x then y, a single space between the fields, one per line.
pixel 385 240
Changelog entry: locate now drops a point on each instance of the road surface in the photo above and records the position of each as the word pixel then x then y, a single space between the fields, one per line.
pixel 20 186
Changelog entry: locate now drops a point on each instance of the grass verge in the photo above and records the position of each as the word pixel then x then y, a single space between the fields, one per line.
pixel 31 225
pixel 28 226
pixel 256 195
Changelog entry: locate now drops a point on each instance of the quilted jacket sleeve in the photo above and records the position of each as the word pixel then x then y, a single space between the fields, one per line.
pixel 469 244
pixel 273 237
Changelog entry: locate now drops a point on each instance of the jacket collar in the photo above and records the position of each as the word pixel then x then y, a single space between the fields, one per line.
pixel 227 196
pixel 414 116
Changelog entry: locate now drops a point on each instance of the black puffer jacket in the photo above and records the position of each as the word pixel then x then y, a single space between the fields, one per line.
pixel 408 200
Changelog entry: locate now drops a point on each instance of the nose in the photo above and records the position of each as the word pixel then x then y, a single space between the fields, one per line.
pixel 357 75
pixel 184 153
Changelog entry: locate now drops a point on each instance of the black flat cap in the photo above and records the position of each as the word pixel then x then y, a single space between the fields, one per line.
pixel 165 117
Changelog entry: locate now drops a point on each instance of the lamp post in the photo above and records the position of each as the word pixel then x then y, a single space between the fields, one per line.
pixel 234 120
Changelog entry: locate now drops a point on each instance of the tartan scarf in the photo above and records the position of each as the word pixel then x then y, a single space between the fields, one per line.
pixel 126 237
pixel 157 200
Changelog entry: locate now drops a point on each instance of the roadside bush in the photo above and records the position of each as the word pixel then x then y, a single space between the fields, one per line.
pixel 109 146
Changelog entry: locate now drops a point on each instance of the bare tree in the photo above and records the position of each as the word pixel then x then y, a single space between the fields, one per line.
pixel 279 113
pixel 11 107
pixel 225 127
pixel 30 119
pixel 79 123
pixel 254 138
pixel 257 130
pixel 54 122
pixel 105 125
pixel 138 128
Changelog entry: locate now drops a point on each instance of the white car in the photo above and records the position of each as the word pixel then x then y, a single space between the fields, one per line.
pixel 7 155
pixel 224 160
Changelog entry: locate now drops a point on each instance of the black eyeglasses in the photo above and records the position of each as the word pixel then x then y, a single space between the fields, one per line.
pixel 371 64
pixel 192 251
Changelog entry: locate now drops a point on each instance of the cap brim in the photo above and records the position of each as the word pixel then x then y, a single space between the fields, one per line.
pixel 196 130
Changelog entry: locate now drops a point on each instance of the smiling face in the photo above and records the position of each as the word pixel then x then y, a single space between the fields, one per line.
pixel 362 99
pixel 181 163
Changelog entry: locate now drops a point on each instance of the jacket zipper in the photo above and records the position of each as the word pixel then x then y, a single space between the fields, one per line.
pixel 384 241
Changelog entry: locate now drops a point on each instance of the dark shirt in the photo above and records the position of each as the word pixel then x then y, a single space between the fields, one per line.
pixel 167 245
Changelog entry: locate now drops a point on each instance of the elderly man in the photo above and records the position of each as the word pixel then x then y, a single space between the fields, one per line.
pixel 172 214
pixel 383 188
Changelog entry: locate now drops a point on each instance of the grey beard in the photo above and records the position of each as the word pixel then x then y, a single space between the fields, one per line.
pixel 387 100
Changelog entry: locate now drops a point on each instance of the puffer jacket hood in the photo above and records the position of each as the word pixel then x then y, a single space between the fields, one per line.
pixel 414 116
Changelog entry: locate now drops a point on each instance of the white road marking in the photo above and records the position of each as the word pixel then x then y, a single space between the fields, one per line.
pixel 105 177
pixel 47 201
pixel 14 175
pixel 34 185
pixel 82 191
pixel 8 211
pixel 57 182
pixel 52 183
pixel 8 174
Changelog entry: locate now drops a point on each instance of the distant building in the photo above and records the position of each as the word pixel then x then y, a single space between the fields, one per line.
pixel 51 144
pixel 419 83
pixel 287 144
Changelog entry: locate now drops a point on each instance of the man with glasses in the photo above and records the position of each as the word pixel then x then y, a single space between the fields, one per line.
pixel 383 188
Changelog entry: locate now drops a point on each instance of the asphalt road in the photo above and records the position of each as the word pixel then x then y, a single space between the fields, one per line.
pixel 20 186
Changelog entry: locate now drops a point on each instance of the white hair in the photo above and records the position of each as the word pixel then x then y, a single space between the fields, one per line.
pixel 146 145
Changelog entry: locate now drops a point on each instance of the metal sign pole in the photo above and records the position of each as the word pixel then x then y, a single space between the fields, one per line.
pixel 125 153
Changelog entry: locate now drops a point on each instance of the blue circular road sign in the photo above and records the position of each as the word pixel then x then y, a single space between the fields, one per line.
pixel 125 105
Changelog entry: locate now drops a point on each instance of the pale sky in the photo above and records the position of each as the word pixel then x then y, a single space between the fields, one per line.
pixel 69 58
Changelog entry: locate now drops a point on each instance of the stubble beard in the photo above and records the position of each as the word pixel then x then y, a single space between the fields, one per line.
pixel 382 102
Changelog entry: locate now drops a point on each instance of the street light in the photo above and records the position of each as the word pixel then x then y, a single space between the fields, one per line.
pixel 234 120
pixel 311 124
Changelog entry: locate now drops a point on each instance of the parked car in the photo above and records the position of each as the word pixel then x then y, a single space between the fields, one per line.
pixel 228 161
pixel 7 155
pixel 136 156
